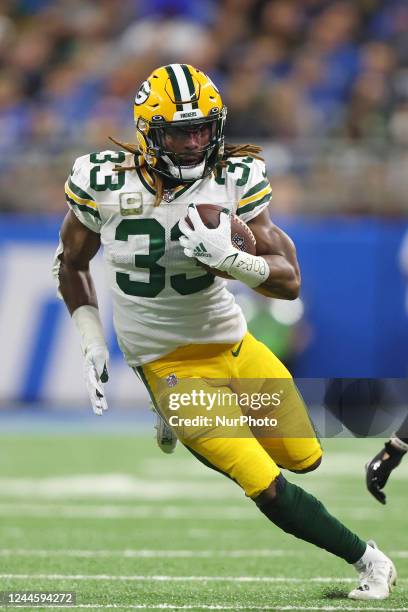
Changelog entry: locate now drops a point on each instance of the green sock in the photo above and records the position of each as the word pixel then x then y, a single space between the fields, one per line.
pixel 299 513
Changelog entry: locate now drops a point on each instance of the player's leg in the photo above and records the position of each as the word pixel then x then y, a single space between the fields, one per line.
pixel 241 458
pixel 297 512
pixel 165 436
pixel 295 447
pixel 246 461
pixel 292 443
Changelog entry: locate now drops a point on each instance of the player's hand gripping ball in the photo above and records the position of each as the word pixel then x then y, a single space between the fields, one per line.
pixel 241 237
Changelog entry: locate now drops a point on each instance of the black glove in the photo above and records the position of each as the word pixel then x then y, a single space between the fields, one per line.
pixel 380 468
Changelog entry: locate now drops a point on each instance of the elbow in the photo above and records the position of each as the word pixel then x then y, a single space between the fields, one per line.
pixel 285 291
pixel 292 286
pixel 292 290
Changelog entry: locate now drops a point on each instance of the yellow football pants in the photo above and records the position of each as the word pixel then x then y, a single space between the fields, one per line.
pixel 249 460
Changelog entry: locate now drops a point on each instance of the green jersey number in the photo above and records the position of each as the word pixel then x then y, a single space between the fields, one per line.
pixel 180 282
pixel 241 168
pixel 155 232
pixel 157 273
pixel 108 183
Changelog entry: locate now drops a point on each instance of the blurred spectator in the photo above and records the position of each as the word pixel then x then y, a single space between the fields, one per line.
pixel 322 84
pixel 14 112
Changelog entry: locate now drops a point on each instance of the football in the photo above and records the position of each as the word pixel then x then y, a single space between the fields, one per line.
pixel 241 236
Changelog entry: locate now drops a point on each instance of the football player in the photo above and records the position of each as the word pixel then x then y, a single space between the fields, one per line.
pixel 177 323
pixel 379 469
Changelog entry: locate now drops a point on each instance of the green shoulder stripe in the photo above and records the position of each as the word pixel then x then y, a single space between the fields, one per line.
pixel 253 205
pixel 255 188
pixel 83 208
pixel 78 191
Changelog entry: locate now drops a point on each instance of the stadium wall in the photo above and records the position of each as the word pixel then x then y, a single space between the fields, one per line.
pixel 353 290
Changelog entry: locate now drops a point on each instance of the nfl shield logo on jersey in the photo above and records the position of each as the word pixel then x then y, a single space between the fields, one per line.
pixel 171 380
pixel 168 195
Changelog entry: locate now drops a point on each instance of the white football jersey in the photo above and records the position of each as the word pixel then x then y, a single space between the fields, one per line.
pixel 161 298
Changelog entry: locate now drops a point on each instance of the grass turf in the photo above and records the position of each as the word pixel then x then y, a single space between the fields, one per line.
pixel 124 525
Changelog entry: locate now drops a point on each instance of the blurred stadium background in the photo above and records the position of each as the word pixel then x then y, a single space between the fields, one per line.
pixel 321 85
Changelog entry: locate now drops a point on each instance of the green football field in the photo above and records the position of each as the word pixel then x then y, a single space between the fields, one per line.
pixel 127 527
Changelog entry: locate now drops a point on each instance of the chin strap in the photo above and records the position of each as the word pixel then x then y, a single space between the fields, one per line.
pixel 186 173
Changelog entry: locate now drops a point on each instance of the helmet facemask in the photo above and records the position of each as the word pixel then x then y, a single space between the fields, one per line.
pixel 184 165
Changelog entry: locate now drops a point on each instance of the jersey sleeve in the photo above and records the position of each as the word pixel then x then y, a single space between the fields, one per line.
pixel 79 199
pixel 257 193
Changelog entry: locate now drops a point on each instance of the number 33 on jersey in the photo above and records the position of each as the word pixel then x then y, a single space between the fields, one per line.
pixel 159 295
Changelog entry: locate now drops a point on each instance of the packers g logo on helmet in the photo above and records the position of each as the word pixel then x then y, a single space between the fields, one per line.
pixel 143 93
pixel 178 95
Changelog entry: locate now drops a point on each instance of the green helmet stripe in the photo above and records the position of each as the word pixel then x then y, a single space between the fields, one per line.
pixel 176 88
pixel 190 84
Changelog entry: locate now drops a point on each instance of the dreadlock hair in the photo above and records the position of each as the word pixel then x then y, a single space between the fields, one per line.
pixel 230 150
pixel 240 150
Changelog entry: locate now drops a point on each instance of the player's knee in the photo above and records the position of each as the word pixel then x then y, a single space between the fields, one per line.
pixel 267 496
pixel 309 468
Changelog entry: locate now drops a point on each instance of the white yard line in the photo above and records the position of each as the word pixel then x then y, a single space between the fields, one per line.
pixel 160 578
pixel 199 606
pixel 116 511
pixel 123 511
pixel 105 486
pixel 146 511
pixel 148 553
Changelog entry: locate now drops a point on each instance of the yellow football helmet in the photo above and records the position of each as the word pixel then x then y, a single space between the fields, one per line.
pixel 179 97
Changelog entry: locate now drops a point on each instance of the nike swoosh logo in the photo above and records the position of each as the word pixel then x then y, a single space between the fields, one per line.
pixel 236 353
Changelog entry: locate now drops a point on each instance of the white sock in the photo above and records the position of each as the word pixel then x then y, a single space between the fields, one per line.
pixel 371 554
